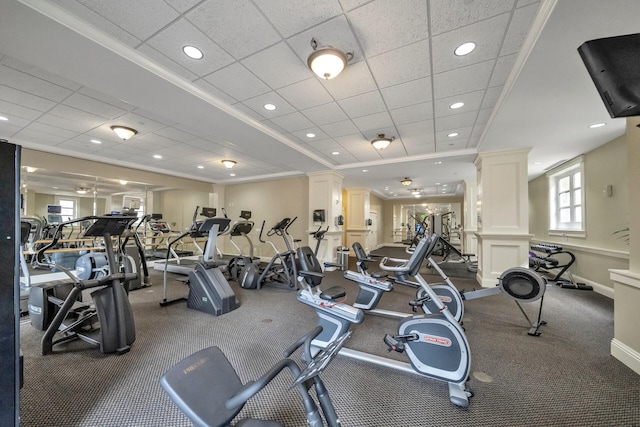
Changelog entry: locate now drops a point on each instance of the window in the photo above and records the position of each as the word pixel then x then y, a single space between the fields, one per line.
pixel 68 209
pixel 566 198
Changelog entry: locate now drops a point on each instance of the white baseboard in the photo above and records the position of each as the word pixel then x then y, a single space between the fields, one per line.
pixel 597 287
pixel 626 355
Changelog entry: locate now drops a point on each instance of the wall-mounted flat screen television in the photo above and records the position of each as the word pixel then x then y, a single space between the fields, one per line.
pixel 614 66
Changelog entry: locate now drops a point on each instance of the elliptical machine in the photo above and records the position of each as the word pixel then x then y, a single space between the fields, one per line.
pixel 434 343
pixel 108 322
pixel 281 269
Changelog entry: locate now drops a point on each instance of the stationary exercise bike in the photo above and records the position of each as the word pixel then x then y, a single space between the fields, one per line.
pixel 373 285
pixel 208 390
pixel 434 343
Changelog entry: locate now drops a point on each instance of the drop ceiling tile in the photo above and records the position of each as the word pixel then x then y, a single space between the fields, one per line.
pixel 142 121
pixel 352 4
pixel 96 20
pixel 412 113
pixel 24 99
pixel 519 28
pixel 275 127
pixel 292 122
pixel 423 130
pixel 257 104
pixel 215 92
pixel 325 114
pixel 135 17
pixel 393 151
pixel 182 5
pixel 290 17
pixel 463 134
pixel 361 105
pixel 491 97
pixel 14 111
pixel 401 65
pixel 456 121
pixel 355 139
pixel 166 62
pixel 234 24
pixel 34 85
pixel 344 127
pixel 118 103
pixel 336 33
pixel 469 79
pixel 488 36
pixel 267 66
pixel 373 122
pixel 175 134
pixel 42 135
pixel 409 93
pixel 83 118
pixel 305 94
pixel 80 145
pixel 473 142
pixel 356 79
pixel 71 126
pixel 238 82
pixel 447 15
pixel 483 116
pixel 93 106
pixel 302 135
pixel 39 73
pixel 364 152
pixel 152 141
pixel 173 38
pixel 502 70
pixel 385 25
pixel 471 101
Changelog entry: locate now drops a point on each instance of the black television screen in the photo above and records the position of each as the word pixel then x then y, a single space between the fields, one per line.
pixel 54 209
pixel 156 216
pixel 614 66
pixel 208 212
pixel 245 215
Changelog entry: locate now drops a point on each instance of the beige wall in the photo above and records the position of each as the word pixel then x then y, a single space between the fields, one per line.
pixel 269 201
pixel 601 249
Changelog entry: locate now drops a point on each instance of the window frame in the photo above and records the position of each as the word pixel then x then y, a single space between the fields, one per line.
pixel 556 226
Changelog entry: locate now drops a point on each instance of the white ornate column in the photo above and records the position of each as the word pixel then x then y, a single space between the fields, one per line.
pixel 470 217
pixel 325 194
pixel 502 213
pixel 358 210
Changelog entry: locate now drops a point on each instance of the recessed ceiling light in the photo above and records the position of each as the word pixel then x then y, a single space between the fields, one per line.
pixel 311 135
pixel 437 163
pixel 465 49
pixel 3 118
pixel 269 107
pixel 232 174
pixel 123 182
pixel 192 52
pixel 96 141
pixel 335 153
pixel 200 167
pixel 456 105
pixel 597 125
pixel 444 185
pixel 157 156
pixel 537 163
pixel 452 134
pixel 365 170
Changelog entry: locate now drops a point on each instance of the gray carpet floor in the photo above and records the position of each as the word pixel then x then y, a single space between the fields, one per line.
pixel 565 377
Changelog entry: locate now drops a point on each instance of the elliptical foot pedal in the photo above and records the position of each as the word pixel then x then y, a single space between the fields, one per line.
pixel 393 344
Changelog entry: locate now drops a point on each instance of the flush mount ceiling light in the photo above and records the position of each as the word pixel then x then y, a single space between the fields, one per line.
pixel 193 52
pixel 327 62
pixel 381 142
pixel 124 132
pixel 228 163
pixel 416 191
pixel 406 181
pixel 82 190
pixel 465 49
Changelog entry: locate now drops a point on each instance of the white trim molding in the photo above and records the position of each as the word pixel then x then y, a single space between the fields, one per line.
pixel 626 355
